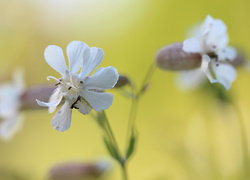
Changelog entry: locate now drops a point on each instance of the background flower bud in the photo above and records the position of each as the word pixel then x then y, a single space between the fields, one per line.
pixel 42 92
pixel 172 57
pixel 122 81
pixel 77 171
pixel 239 60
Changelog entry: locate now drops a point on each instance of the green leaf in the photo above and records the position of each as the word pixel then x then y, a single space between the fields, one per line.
pixel 111 149
pixel 131 146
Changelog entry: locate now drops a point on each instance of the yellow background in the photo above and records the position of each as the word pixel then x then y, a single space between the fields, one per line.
pixel 182 135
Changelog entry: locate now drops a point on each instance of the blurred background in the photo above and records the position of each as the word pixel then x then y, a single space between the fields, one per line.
pixel 182 135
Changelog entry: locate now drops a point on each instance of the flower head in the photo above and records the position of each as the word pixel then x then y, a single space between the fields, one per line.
pixel 79 91
pixel 211 41
pixel 10 104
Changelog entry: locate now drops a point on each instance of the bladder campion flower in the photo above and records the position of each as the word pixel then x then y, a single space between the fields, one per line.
pixel 10 105
pixel 211 41
pixel 79 91
pixel 190 76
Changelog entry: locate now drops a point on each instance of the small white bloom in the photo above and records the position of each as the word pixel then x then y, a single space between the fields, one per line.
pixel 80 91
pixel 11 118
pixel 211 42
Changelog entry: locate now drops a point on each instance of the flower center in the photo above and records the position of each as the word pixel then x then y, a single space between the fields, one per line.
pixel 70 86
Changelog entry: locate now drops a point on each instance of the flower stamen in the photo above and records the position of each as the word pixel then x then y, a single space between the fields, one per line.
pixel 73 105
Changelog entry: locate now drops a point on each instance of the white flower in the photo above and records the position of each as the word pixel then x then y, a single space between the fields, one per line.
pixel 211 42
pixel 10 103
pixel 80 91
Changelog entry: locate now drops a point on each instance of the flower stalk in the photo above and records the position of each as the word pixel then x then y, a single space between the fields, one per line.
pixel 111 143
pixel 244 142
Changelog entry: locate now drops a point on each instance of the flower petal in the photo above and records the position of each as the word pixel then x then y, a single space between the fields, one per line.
pixel 9 100
pixel 189 80
pixel 206 25
pixel 54 100
pixel 95 58
pixel 205 68
pixel 192 45
pixel 62 119
pixel 99 101
pixel 54 57
pixel 228 53
pixel 103 78
pixel 225 74
pixel 76 51
pixel 10 126
pixel 18 79
pixel 216 37
pixel 56 96
pixel 84 109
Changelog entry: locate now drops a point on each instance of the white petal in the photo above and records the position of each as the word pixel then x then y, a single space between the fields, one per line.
pixel 62 119
pixel 99 101
pixel 54 57
pixel 205 68
pixel 216 41
pixel 76 51
pixel 50 104
pixel 56 96
pixel 103 78
pixel 18 79
pixel 84 109
pixel 10 126
pixel 95 58
pixel 189 80
pixel 228 53
pixel 206 25
pixel 217 37
pixel 9 101
pixel 54 100
pixel 225 74
pixel 205 62
pixel 191 45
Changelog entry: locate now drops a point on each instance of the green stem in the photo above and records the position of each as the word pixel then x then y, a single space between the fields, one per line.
pixel 124 172
pixel 245 150
pixel 110 133
pixel 148 76
pixel 136 97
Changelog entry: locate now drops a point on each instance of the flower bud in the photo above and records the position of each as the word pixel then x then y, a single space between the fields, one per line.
pixel 239 60
pixel 172 57
pixel 77 171
pixel 29 96
pixel 122 81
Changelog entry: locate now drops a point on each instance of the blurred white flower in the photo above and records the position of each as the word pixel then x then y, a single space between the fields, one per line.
pixel 11 118
pixel 211 41
pixel 80 91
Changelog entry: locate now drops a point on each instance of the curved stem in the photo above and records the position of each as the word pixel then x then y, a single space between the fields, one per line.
pixel 136 97
pixel 124 172
pixel 148 76
pixel 110 133
pixel 245 148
